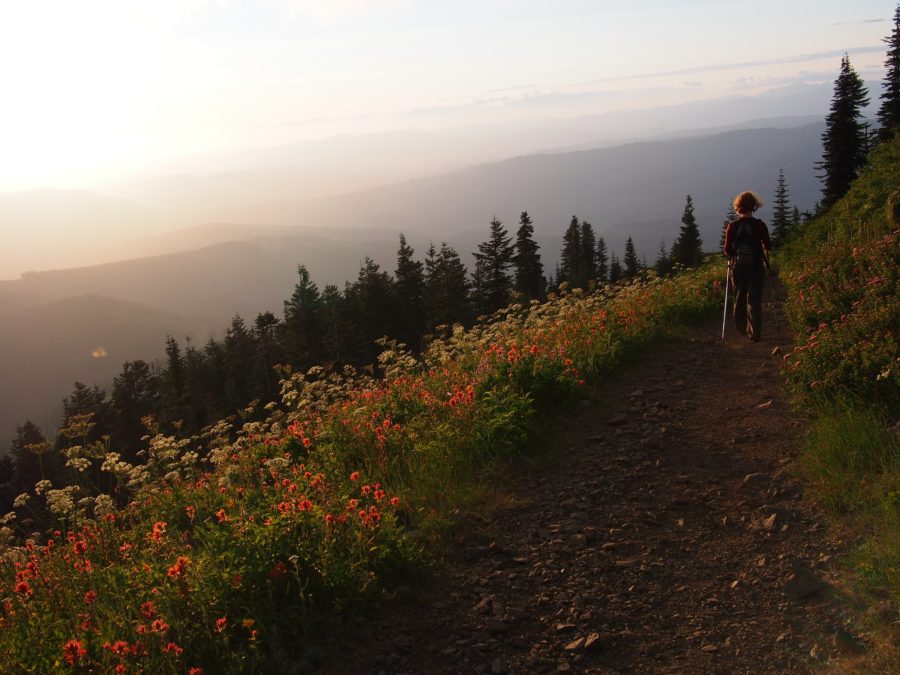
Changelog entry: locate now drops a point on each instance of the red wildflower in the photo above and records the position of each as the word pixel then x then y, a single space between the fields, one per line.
pixel 23 588
pixel 173 648
pixel 395 501
pixel 354 476
pixel 148 609
pixel 159 626
pixel 190 511
pixel 158 531
pixel 221 623
pixel 177 570
pixel 90 597
pixel 221 516
pixel 195 671
pixel 73 651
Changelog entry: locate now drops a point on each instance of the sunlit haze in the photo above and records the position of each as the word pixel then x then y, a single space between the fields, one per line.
pixel 98 88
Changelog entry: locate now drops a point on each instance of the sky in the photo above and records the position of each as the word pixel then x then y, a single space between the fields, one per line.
pixel 95 89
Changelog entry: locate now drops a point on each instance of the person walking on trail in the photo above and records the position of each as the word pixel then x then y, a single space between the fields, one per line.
pixel 747 245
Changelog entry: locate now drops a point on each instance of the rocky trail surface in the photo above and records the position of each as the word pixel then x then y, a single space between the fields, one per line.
pixel 662 532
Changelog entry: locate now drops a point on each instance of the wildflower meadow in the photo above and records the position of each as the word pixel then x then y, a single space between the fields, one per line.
pixel 228 552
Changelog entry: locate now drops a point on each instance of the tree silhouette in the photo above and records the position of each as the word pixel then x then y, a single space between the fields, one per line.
pixel 781 211
pixel 529 272
pixel 570 261
pixel 409 286
pixel 588 267
pixel 602 258
pixel 889 112
pixel 493 284
pixel 844 140
pixel 615 269
pixel 632 264
pixel 446 288
pixel 688 248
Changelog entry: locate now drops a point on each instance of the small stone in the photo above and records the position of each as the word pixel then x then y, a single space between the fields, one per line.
pixel 753 476
pixel 803 584
pixel 499 666
pixel 776 351
pixel 560 627
pixel 763 524
pixel 575 645
pixel 592 640
pixel 709 648
pixel 767 404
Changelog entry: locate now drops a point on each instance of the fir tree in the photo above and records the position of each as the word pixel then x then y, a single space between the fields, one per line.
pixel 615 269
pixel 300 331
pixel 796 217
pixel 571 256
pixel 889 112
pixel 446 288
pixel 173 383
pixel 493 259
pixel 602 258
pixel 588 266
pixel 371 302
pixel 781 211
pixel 264 327
pixel 688 248
pixel 844 139
pixel 663 263
pixel 135 394
pixel 632 264
pixel 529 272
pixel 409 285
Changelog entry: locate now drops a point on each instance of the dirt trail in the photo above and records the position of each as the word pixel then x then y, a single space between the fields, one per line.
pixel 661 535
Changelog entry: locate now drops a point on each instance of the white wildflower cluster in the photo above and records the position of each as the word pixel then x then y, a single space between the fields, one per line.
pixel 138 476
pixel 42 486
pixel 79 464
pixel 277 463
pixel 190 458
pixel 62 502
pixel 103 506
pixel 6 537
pixel 8 518
pixel 21 500
pixel 114 464
pixel 13 554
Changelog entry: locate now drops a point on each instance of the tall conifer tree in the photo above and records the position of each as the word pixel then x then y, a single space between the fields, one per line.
pixel 588 266
pixel 615 269
pixel 844 140
pixel 632 264
pixel 570 259
pixel 781 211
pixel 446 288
pixel 688 248
pixel 409 284
pixel 529 272
pixel 602 259
pixel 493 285
pixel 730 216
pixel 889 111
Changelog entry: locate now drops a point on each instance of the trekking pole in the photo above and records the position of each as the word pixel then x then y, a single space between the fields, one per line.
pixel 725 310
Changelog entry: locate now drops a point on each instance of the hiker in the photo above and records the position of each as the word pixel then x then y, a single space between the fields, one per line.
pixel 746 246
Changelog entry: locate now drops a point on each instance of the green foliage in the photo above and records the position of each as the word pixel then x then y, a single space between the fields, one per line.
pixel 843 276
pixel 529 271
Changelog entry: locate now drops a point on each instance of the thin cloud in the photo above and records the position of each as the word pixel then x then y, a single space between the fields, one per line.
pixel 857 23
pixel 800 58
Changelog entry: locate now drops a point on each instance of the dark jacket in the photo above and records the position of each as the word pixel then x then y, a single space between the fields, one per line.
pixel 760 231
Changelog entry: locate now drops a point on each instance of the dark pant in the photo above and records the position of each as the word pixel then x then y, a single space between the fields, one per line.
pixel 748 288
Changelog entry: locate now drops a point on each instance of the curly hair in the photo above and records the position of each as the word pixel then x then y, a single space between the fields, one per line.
pixel 747 202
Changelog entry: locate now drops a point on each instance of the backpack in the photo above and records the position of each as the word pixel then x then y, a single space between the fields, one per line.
pixel 746 246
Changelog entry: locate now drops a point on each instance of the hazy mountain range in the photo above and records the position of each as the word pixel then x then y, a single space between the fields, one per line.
pixel 54 323
pixel 265 211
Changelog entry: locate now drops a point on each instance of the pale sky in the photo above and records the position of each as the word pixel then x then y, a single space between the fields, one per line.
pixel 96 88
